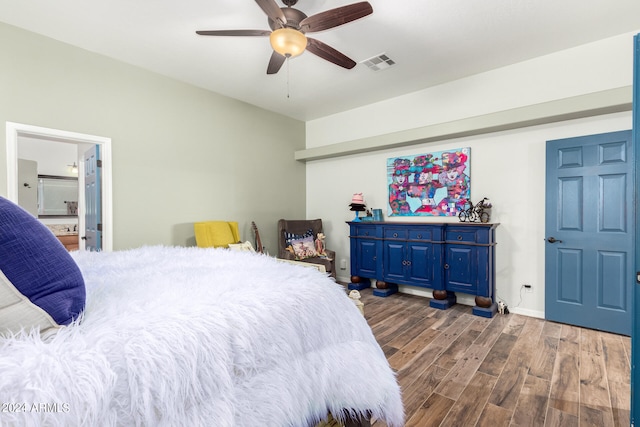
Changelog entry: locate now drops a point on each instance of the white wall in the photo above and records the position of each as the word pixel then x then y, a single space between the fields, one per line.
pixel 53 158
pixel 599 66
pixel 181 154
pixel 508 167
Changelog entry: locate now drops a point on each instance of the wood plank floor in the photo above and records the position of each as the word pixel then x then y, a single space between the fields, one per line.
pixel 457 369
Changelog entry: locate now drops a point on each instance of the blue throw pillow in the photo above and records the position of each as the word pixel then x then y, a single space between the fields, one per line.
pixel 40 284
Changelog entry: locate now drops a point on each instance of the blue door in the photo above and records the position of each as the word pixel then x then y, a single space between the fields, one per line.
pixel 92 193
pixel 635 355
pixel 589 253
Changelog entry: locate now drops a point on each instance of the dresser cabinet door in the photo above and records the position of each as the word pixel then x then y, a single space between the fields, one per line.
pixel 420 264
pixel 394 261
pixel 409 263
pixel 461 269
pixel 368 262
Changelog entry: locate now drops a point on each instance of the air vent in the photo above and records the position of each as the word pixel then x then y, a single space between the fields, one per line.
pixel 379 62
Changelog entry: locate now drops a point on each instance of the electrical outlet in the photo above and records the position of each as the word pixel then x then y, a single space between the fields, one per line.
pixel 528 288
pixel 343 264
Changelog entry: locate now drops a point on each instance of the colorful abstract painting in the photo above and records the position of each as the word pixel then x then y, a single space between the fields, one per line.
pixel 432 184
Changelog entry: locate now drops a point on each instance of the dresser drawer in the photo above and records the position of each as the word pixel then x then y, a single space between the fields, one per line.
pixel 365 231
pixel 479 234
pixel 396 233
pixel 421 234
pixel 460 235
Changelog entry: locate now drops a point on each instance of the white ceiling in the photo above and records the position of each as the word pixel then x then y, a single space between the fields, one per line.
pixel 431 41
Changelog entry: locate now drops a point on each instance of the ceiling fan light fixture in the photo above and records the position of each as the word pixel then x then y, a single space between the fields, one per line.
pixel 288 42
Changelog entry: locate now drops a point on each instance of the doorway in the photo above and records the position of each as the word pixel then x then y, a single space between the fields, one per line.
pixel 590 231
pixel 16 130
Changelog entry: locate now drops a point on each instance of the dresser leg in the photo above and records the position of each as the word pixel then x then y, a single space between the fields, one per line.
pixel 485 307
pixel 359 283
pixel 384 289
pixel 439 294
pixel 442 299
pixel 483 302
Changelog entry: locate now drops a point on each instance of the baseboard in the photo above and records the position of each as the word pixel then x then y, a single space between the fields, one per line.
pixel 461 298
pixel 527 312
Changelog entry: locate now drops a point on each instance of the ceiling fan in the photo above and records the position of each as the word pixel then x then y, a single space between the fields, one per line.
pixel 290 25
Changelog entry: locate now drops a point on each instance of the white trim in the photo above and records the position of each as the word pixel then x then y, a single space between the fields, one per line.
pixel 14 130
pixel 588 105
pixel 527 312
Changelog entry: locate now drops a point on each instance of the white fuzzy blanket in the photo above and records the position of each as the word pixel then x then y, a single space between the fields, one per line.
pixel 199 337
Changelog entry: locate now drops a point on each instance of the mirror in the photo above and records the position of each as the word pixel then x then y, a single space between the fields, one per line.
pixel 57 196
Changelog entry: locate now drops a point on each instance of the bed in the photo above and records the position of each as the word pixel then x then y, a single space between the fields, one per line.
pixel 174 336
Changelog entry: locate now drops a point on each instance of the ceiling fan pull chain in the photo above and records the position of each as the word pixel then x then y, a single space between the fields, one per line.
pixel 287 76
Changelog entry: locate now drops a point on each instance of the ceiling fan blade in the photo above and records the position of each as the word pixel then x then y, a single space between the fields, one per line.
pixel 325 51
pixel 275 63
pixel 273 11
pixel 334 17
pixel 234 33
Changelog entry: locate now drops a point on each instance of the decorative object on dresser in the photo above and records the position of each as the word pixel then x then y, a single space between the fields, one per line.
pixel 296 242
pixel 444 257
pixel 476 213
pixel 357 205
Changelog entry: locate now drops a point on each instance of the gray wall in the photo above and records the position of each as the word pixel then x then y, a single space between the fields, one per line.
pixel 180 154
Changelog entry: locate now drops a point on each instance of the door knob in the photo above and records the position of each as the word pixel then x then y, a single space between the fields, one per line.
pixel 553 240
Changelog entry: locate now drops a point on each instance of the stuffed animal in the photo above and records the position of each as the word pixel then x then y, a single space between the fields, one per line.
pixel 355 296
pixel 502 308
pixel 320 245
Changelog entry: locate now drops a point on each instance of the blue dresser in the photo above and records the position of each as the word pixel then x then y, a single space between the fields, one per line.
pixel 444 257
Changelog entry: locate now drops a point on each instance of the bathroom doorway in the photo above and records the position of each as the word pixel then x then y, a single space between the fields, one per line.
pixel 83 142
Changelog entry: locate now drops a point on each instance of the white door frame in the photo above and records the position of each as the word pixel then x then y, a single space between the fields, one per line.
pixel 15 130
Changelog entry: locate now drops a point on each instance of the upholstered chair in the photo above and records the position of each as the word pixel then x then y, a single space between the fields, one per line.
pixel 217 234
pixel 301 228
